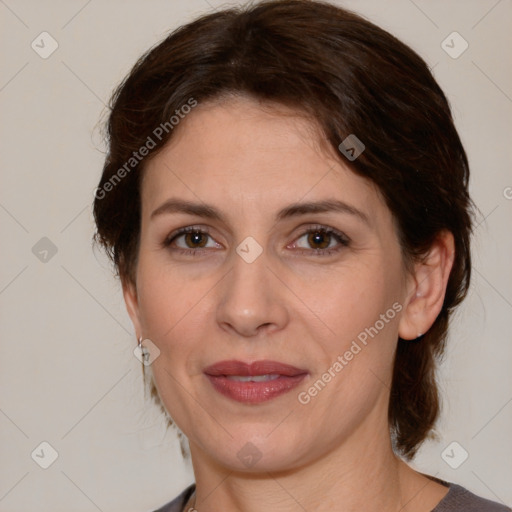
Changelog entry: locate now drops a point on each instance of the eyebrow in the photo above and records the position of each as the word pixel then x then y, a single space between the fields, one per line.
pixel 293 210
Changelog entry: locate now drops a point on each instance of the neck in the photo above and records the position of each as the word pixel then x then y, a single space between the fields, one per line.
pixel 355 476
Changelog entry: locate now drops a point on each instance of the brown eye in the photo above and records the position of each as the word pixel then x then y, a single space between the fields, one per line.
pixel 322 241
pixel 189 240
pixel 319 238
pixel 196 237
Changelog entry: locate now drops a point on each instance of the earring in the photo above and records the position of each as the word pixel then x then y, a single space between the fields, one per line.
pixel 144 352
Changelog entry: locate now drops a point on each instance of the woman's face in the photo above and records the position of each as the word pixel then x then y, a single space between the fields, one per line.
pixel 321 289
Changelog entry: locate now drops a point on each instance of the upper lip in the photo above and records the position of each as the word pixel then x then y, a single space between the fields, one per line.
pixel 263 367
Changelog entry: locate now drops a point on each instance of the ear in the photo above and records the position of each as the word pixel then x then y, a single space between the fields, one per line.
pixel 427 288
pixel 132 305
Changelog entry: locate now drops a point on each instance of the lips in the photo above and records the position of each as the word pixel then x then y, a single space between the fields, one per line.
pixel 264 367
pixel 253 382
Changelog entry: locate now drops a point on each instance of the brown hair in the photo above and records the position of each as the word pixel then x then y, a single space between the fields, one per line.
pixel 349 76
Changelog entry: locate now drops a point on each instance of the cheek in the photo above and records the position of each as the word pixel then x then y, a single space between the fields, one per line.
pixel 166 303
pixel 171 317
pixel 361 311
pixel 353 299
pixel 361 308
pixel 165 296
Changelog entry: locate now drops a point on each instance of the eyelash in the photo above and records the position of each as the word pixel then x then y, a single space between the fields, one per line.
pixel 343 240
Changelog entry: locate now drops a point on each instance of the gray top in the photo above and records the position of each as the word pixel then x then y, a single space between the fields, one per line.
pixel 458 499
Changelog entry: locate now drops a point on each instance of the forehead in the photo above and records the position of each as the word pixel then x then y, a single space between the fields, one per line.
pixel 240 155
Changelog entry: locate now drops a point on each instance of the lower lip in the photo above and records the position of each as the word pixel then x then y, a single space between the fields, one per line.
pixel 255 392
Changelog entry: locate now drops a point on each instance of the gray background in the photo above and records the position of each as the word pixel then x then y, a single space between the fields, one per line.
pixel 67 372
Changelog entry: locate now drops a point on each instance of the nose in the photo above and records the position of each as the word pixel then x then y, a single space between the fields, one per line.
pixel 251 299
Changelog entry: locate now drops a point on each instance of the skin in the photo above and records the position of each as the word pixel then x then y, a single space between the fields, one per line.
pixel 249 160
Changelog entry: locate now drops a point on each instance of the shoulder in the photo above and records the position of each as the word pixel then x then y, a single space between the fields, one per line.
pixel 177 504
pixel 460 499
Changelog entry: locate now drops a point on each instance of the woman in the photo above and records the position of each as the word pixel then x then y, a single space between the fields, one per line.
pixel 285 199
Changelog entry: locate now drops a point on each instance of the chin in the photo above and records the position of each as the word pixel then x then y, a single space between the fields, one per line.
pixel 259 453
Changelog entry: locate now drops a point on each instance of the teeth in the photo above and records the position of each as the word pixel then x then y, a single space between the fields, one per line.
pixel 254 378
